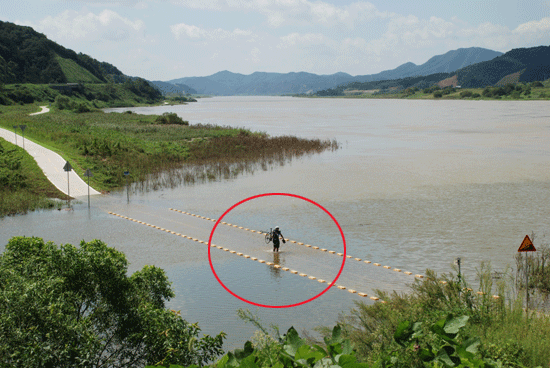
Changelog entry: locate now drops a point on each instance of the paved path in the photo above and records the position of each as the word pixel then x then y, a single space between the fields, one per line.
pixel 51 164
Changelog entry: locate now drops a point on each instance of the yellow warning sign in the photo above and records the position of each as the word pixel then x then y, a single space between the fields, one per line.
pixel 526 245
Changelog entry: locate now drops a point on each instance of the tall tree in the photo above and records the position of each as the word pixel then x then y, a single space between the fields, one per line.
pixel 67 306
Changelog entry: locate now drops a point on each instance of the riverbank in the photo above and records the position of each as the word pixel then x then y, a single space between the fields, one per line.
pixel 110 144
pixel 510 92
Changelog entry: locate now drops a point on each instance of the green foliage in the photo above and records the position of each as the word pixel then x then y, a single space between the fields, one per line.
pixel 442 345
pixel 295 352
pixel 11 176
pixel 465 94
pixel 64 103
pixel 438 94
pixel 75 73
pixel 171 118
pixel 67 306
pixel 23 185
pixel 29 57
pixel 536 84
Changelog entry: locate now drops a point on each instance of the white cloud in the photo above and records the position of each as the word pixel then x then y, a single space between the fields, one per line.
pixel 294 39
pixel 183 30
pixel 303 12
pixel 107 25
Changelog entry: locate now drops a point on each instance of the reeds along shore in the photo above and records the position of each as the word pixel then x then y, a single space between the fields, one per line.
pixel 230 157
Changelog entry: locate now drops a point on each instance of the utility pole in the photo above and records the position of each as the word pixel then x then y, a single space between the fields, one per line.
pixel 68 169
pixel 127 173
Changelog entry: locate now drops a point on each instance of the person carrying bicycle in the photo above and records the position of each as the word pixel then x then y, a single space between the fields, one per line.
pixel 276 234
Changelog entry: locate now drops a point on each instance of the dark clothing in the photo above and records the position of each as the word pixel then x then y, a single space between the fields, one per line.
pixel 276 235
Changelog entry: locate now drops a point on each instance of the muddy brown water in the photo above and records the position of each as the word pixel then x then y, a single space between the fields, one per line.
pixel 414 185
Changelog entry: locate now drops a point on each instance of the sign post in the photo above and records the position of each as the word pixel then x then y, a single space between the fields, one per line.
pixel 68 169
pixel 15 131
pixel 89 174
pixel 527 246
pixel 23 131
pixel 127 173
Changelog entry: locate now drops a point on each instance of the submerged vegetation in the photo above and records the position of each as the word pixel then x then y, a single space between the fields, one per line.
pixel 158 151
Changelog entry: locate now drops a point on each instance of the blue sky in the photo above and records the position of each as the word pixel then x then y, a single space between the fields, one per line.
pixel 168 39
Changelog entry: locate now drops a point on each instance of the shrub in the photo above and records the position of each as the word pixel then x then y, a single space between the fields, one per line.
pixel 63 102
pixel 438 94
pixel 476 95
pixel 537 84
pixel 527 91
pixel 465 94
pixel 170 118
pixel 82 107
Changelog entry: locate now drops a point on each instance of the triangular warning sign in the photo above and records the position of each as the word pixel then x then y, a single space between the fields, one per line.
pixel 526 245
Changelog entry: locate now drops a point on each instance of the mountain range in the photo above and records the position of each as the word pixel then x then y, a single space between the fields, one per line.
pixel 27 56
pixel 261 83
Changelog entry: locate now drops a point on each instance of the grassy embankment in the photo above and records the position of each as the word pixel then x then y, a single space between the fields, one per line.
pixel 509 92
pixel 149 145
pixel 23 186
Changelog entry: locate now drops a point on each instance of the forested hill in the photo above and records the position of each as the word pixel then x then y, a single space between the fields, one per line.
pixel 27 56
pixel 518 65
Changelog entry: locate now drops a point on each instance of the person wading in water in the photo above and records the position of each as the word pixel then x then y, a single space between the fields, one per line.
pixel 276 235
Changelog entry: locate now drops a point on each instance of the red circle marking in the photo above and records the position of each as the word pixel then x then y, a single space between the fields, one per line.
pixel 266 305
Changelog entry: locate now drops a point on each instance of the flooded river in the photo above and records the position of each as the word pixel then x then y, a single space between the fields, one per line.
pixel 414 185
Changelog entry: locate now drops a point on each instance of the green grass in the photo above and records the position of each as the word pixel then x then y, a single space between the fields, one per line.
pixel 507 332
pixel 74 72
pixel 111 143
pixel 23 184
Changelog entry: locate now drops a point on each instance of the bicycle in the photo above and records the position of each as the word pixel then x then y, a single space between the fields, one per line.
pixel 268 236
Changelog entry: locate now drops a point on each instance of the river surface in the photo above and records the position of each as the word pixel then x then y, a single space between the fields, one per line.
pixel 414 185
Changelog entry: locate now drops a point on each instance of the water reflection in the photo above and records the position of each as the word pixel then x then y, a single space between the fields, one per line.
pixel 210 171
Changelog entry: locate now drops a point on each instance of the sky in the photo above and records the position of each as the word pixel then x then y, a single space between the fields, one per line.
pixel 169 39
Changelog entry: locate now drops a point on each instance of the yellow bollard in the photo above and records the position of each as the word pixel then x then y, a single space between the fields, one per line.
pixel 362 294
pixel 341 287
pixel 294 272
pixel 407 273
pixel 397 269
pixel 377 264
pixel 367 262
pixel 387 267
pixel 358 259
pixel 375 298
pixel 315 247
pixel 312 277
pixel 352 291
pixel 301 243
pixel 303 275
pixel 331 252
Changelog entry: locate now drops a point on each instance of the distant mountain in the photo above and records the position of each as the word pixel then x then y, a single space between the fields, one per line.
pixel 446 63
pixel 27 56
pixel 523 65
pixel 169 88
pixel 259 83
pixel 531 63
